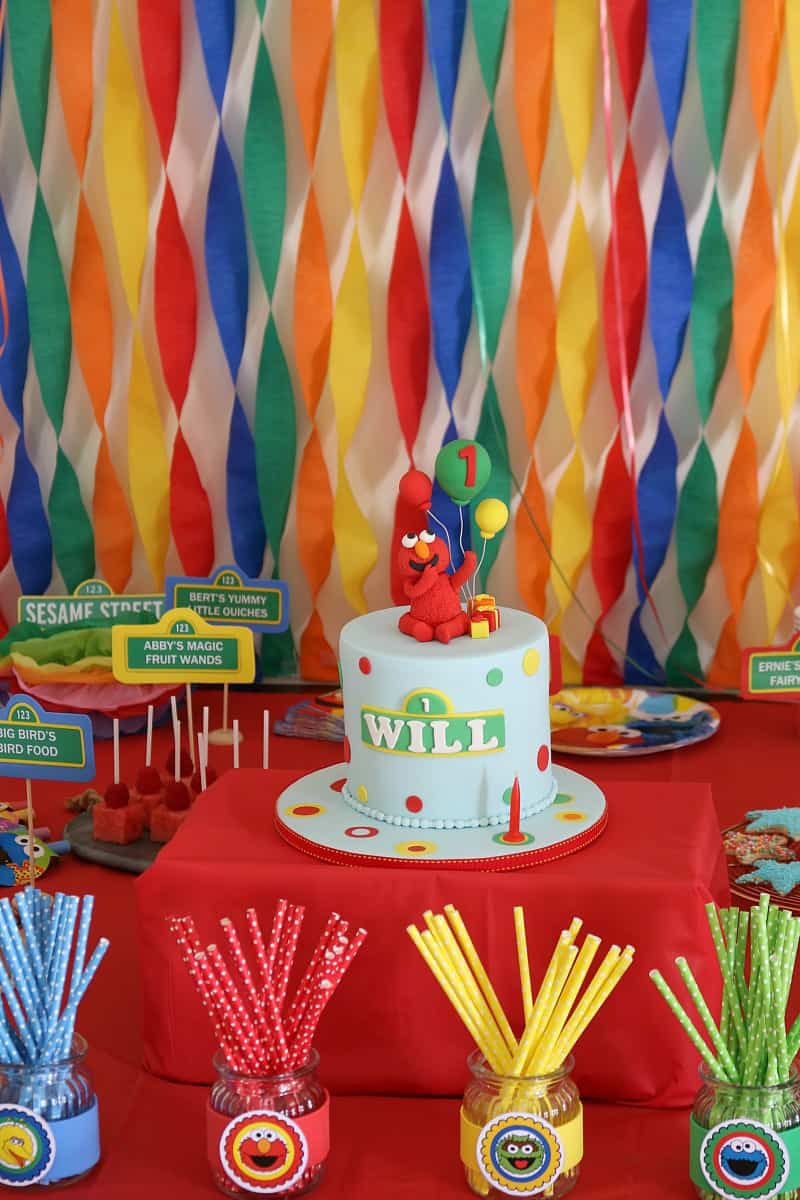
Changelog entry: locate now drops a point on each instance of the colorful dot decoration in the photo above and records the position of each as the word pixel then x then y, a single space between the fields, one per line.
pixel 364 665
pixel 346 749
pixel 543 758
pixel 530 661
pixel 494 677
pixel 507 797
pixel 570 815
pixel 362 831
pixel 415 849
pixel 361 794
pixel 563 798
pixel 511 842
pixel 306 810
pixel 338 784
pixel 413 804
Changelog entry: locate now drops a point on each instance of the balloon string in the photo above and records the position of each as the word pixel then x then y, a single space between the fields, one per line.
pixel 432 514
pixel 627 417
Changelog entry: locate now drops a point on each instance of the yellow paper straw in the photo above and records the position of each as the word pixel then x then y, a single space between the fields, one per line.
pixel 555 1026
pixel 522 961
pixel 476 1007
pixel 451 994
pixel 621 966
pixel 575 926
pixel 541 1004
pixel 452 950
pixel 465 941
pixel 587 999
pixel 566 963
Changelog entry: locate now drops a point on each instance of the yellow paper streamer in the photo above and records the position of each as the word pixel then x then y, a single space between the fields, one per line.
pixel 351 354
pixel 126 182
pixel 356 52
pixel 792 19
pixel 575 66
pixel 577 326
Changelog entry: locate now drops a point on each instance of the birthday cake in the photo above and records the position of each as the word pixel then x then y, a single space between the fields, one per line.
pixel 437 734
pixel 447 727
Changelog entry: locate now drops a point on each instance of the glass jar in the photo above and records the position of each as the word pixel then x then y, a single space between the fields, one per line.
pixel 49 1130
pixel 521 1136
pixel 734 1148
pixel 268 1133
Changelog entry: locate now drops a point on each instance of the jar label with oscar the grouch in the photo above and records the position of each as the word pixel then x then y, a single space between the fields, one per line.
pixel 745 1158
pixel 519 1153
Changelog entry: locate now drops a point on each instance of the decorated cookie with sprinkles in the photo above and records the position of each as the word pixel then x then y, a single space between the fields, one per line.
pixel 778 820
pixel 782 877
pixel 747 848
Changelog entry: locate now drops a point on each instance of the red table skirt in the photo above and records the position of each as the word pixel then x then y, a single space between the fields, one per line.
pixel 390 1031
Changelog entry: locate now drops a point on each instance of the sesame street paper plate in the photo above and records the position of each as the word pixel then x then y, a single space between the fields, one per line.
pixel 763 855
pixel 623 722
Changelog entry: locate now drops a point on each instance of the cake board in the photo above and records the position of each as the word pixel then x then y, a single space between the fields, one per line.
pixel 313 816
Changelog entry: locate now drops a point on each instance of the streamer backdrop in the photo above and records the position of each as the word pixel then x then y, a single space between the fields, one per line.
pixel 257 259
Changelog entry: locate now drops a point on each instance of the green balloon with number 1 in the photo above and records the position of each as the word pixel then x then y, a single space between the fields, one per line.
pixel 462 470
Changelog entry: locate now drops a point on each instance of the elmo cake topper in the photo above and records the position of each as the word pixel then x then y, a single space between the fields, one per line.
pixel 424 557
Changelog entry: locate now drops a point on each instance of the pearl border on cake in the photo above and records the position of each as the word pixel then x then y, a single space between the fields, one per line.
pixel 442 823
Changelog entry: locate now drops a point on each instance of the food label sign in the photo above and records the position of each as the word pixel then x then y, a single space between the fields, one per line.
pixel 36 744
pixel 771 672
pixel 182 648
pixel 229 596
pixel 92 602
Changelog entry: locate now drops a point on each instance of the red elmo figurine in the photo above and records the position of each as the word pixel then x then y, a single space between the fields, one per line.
pixel 436 610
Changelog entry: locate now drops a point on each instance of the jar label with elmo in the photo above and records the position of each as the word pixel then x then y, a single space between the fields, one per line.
pixel 742 1157
pixel 520 1153
pixel 265 1151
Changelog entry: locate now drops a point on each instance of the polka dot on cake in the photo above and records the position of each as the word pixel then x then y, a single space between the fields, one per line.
pixel 361 831
pixel 413 804
pixel 494 677
pixel 543 758
pixel 361 794
pixel 346 749
pixel 364 665
pixel 530 662
pixel 507 796
pixel 306 810
pixel 338 784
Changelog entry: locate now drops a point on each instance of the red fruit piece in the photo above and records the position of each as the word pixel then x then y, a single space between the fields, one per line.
pixel 117 795
pixel 197 785
pixel 186 766
pixel 148 781
pixel 176 796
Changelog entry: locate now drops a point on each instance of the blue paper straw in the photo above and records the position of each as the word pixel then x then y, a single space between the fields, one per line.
pixel 80 946
pixel 17 1014
pixel 61 1039
pixel 26 907
pixel 59 978
pixel 55 920
pixel 21 971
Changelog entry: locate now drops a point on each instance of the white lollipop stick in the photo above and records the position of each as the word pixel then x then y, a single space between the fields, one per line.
pixel 148 749
pixel 116 749
pixel 265 741
pixel 190 719
pixel 205 729
pixel 224 706
pixel 177 728
pixel 235 742
pixel 202 753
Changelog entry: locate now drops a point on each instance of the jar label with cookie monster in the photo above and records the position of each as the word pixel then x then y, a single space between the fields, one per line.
pixel 743 1157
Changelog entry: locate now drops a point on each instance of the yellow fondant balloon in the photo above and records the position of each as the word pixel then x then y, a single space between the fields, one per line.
pixel 491 516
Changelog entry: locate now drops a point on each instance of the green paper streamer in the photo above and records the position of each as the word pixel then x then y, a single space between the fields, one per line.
pixel 489 20
pixel 712 306
pixel 30 38
pixel 274 425
pixel 696 545
pixel 491 241
pixel 491 433
pixel 717 38
pixel 265 169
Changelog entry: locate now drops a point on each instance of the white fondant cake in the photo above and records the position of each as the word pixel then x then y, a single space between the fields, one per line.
pixel 437 734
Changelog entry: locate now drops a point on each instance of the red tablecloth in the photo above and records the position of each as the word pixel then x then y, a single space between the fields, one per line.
pixel 153 1130
pixel 390 1031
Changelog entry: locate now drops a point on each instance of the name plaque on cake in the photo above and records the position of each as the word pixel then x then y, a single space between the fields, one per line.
pixel 93 602
pixel 182 648
pixel 771 672
pixel 36 744
pixel 260 604
pixel 426 724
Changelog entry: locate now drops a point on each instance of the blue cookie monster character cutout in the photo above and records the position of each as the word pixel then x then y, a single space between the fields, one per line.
pixel 15 856
pixel 742 1158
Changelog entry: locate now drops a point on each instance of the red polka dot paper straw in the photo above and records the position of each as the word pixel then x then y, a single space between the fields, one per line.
pixel 245 1034
pixel 335 925
pixel 286 952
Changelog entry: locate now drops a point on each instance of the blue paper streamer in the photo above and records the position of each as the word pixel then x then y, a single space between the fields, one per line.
pixel 668 27
pixel 28 527
pixel 228 285
pixel 445 20
pixel 671 280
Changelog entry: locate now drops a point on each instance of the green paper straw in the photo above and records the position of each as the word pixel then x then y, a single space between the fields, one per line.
pixel 755 1046
pixel 707 1019
pixel 686 1024
pixel 722 956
